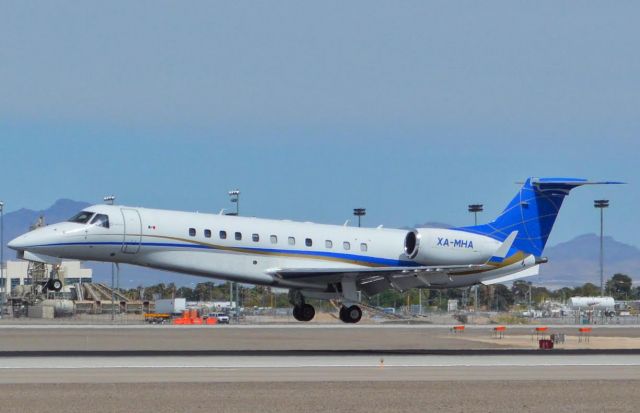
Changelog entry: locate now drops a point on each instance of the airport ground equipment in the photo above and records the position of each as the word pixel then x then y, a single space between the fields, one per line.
pixel 157 318
pixel 540 333
pixel 171 305
pixel 498 332
pixel 457 329
pixel 221 318
pixel 584 334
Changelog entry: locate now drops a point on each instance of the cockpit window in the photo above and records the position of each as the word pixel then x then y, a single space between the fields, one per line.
pixel 81 217
pixel 100 220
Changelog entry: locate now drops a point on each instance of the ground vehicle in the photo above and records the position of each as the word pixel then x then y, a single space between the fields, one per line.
pixel 157 318
pixel 222 317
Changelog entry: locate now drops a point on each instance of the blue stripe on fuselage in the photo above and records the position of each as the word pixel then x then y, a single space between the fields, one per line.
pixel 350 257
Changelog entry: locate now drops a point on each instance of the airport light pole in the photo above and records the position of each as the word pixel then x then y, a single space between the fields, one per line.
pixel 601 204
pixel 359 212
pixel 2 280
pixel 475 208
pixel 109 200
pixel 235 198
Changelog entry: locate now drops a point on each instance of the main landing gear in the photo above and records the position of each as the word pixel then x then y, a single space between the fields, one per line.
pixel 351 314
pixel 304 312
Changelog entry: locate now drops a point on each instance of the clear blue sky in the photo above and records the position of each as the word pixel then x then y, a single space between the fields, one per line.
pixel 411 109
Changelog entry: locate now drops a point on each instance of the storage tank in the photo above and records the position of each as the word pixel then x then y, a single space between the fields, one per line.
pixel 61 308
pixel 592 302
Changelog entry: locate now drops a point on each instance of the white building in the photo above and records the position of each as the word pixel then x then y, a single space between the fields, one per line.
pixel 71 272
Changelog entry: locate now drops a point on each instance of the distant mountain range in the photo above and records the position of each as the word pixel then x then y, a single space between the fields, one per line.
pixel 571 263
pixel 578 261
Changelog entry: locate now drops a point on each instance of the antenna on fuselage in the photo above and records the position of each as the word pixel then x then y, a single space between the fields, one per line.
pixel 346 223
pixel 221 211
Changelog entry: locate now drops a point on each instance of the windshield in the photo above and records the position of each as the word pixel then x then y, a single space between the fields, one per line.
pixel 81 217
pixel 100 220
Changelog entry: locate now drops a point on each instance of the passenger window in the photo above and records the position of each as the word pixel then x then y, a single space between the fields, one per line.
pixel 308 242
pixel 292 241
pixel 192 232
pixel 207 233
pixel 363 247
pixel 238 236
pixel 255 237
pixel 328 243
pixel 346 245
pixel 274 239
pixel 100 220
pixel 223 234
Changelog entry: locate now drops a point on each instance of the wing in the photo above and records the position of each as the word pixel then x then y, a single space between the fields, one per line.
pixel 374 280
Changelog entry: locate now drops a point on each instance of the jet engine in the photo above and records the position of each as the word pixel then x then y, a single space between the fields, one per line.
pixel 438 246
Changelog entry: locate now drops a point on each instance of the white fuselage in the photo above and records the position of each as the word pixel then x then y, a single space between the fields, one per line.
pixel 209 245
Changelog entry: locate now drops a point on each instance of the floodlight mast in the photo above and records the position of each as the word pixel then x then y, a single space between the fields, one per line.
pixel 475 208
pixel 235 198
pixel 601 204
pixel 2 280
pixel 359 212
pixel 109 200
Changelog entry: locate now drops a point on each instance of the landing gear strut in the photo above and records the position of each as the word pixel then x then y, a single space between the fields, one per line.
pixel 351 314
pixel 304 312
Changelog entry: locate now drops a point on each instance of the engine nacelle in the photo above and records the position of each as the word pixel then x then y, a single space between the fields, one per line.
pixel 437 246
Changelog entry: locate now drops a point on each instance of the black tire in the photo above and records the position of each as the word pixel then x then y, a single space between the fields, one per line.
pixel 307 312
pixel 297 313
pixel 56 284
pixel 353 314
pixel 343 316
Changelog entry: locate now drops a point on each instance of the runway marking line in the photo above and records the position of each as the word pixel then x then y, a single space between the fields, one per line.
pixel 233 368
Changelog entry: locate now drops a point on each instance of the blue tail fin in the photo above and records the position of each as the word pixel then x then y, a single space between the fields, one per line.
pixel 532 212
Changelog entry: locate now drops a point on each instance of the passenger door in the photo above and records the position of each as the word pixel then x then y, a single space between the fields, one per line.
pixel 132 231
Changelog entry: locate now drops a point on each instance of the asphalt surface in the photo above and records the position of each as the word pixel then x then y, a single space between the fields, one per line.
pixel 284 369
pixel 352 397
pixel 293 337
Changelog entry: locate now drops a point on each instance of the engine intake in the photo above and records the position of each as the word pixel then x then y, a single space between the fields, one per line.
pixel 411 243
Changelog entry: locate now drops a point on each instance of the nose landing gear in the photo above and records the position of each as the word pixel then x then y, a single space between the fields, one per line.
pixel 53 284
pixel 351 314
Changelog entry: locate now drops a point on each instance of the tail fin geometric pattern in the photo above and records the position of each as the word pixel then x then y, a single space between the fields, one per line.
pixel 532 212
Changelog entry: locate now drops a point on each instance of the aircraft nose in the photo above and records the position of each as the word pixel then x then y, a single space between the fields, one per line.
pixel 17 243
pixel 22 242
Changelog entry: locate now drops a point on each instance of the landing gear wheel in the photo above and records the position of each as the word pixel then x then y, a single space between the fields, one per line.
pixel 296 312
pixel 351 314
pixel 54 285
pixel 304 312
pixel 308 312
pixel 343 316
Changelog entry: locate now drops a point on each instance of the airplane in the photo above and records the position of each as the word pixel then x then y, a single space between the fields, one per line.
pixel 312 261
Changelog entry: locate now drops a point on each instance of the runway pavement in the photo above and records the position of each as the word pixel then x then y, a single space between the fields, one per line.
pixel 354 384
pixel 298 337
pixel 372 367
pixel 315 369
